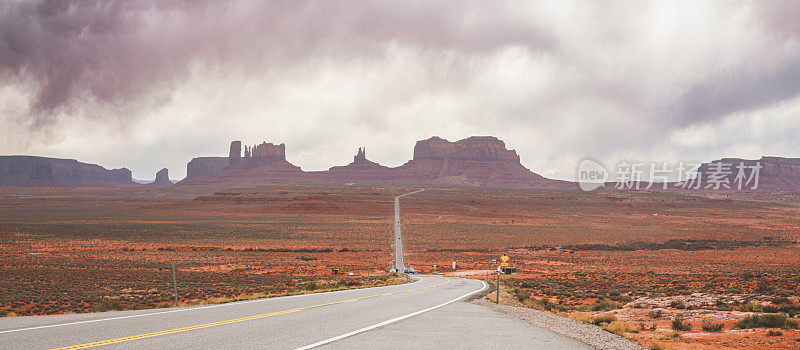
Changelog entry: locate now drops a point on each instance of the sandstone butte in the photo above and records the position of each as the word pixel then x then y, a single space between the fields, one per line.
pixel 162 179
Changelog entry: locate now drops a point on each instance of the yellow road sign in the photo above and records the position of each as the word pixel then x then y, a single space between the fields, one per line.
pixel 504 258
pixel 504 264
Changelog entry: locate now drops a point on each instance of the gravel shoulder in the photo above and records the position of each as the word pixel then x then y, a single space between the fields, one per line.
pixel 591 335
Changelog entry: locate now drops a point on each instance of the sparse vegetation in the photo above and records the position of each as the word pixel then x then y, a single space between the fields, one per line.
pixel 657 345
pixel 275 240
pixel 542 305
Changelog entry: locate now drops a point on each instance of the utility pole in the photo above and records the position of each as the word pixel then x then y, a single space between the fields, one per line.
pixel 175 284
pixel 497 297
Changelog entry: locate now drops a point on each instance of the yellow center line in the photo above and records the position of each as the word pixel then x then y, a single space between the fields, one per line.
pixel 235 320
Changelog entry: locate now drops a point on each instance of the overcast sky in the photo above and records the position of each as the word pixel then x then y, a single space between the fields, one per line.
pixel 152 84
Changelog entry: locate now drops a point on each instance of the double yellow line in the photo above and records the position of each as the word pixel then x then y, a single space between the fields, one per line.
pixel 235 320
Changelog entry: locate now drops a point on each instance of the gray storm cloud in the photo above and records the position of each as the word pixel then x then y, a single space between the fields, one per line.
pixel 557 80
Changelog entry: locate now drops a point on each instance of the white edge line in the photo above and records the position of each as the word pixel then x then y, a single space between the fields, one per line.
pixel 197 308
pixel 381 324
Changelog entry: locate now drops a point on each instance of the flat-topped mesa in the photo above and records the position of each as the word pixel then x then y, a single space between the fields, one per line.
pixel 265 153
pixel 775 173
pixel 770 166
pixel 779 166
pixel 43 171
pixel 473 148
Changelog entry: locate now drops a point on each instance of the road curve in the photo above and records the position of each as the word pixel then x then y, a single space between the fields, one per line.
pixel 344 319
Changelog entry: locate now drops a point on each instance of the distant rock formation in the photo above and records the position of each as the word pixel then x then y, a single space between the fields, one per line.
pixel 775 173
pixel 48 172
pixel 475 161
pixel 162 179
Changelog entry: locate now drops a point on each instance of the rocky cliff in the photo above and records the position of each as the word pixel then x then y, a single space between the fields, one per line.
pixel 42 171
pixel 775 173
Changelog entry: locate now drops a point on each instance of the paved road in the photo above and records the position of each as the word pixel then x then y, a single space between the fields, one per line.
pixel 399 258
pixel 423 314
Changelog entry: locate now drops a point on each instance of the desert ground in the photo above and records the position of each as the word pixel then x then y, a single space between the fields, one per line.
pixel 631 262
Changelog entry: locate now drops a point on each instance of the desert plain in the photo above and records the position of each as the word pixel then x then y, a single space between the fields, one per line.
pixel 630 261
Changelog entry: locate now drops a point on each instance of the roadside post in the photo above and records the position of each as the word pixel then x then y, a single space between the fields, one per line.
pixel 497 295
pixel 175 284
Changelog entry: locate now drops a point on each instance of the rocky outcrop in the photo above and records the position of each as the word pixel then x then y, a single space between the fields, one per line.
pixel 202 167
pixel 42 171
pixel 162 179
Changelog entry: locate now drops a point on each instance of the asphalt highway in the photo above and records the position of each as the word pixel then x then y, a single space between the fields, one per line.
pixel 399 255
pixel 427 313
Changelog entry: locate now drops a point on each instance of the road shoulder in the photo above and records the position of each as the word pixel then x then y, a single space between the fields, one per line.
pixel 593 336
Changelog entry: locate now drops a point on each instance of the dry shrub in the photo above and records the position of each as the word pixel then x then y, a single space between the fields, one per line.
pixel 712 327
pixel 617 327
pixel 603 318
pixel 582 317
pixel 657 345
pixel 774 333
pixel 679 325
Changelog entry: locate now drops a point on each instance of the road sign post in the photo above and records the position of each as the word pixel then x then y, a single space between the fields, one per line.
pixel 497 295
pixel 175 284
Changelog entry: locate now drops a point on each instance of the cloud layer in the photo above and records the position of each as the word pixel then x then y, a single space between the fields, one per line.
pixel 149 84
